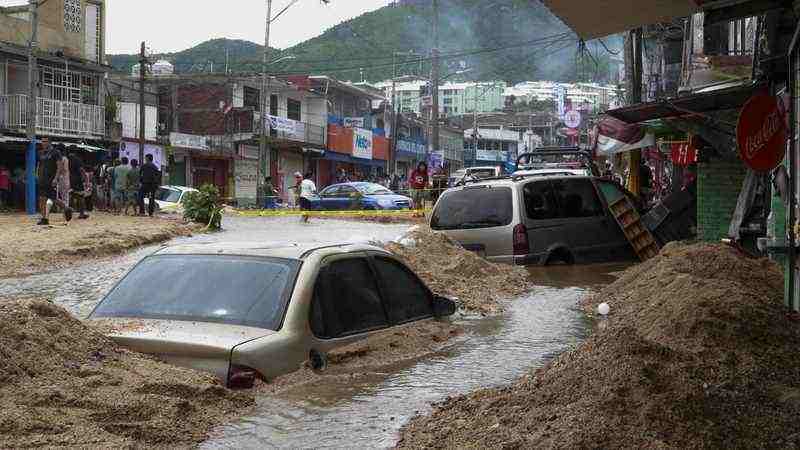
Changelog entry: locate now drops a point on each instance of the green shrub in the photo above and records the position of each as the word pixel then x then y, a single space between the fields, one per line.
pixel 204 207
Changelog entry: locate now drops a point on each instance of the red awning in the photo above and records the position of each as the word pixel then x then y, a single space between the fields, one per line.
pixel 718 100
pixel 600 18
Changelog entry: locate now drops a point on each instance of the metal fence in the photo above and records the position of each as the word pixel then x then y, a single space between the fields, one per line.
pixel 53 117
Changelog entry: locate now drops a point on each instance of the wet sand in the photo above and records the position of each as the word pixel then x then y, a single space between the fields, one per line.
pixel 27 249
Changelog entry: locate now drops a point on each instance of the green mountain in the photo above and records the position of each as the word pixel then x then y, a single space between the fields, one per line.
pixel 510 40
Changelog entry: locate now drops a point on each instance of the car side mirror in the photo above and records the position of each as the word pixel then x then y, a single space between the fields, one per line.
pixel 443 306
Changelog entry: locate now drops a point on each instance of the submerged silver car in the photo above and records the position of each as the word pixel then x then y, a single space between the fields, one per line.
pixel 247 311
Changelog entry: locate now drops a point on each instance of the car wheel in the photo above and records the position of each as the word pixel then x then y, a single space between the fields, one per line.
pixel 317 360
pixel 560 256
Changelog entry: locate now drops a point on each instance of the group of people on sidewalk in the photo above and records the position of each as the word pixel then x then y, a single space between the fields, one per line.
pixel 63 181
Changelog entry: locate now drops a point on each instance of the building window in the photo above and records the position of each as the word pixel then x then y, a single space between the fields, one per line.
pixel 72 16
pixel 273 105
pixel 94 32
pixel 58 84
pixel 251 97
pixel 293 109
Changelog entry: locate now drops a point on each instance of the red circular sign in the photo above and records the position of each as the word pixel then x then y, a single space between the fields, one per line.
pixel 761 133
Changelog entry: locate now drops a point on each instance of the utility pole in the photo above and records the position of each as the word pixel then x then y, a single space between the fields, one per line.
pixel 635 39
pixel 142 108
pixel 262 142
pixel 30 159
pixel 393 156
pixel 435 77
pixel 475 134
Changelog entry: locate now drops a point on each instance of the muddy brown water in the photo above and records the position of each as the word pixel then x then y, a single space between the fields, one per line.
pixel 368 411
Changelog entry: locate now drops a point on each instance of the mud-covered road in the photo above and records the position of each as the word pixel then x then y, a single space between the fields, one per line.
pixel 365 409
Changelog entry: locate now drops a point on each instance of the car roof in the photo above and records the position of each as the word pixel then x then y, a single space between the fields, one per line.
pixel 179 188
pixel 285 250
pixel 514 180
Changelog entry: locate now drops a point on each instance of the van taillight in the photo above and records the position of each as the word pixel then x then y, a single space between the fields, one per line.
pixel 521 246
pixel 240 377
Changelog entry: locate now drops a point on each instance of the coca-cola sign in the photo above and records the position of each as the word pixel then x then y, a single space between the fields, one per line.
pixel 761 133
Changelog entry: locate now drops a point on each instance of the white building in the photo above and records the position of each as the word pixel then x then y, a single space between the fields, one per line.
pixel 454 98
pixel 589 96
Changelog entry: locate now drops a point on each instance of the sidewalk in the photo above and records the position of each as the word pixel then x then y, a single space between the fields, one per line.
pixel 26 248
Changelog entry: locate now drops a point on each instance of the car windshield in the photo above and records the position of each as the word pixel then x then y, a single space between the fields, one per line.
pixel 235 290
pixel 374 189
pixel 168 195
pixel 474 207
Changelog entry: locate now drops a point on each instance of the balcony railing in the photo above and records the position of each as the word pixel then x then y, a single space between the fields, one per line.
pixel 53 117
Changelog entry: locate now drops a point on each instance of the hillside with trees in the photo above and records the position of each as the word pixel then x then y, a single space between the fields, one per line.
pixel 511 40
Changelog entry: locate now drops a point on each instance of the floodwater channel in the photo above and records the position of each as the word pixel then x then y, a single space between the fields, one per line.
pixel 367 411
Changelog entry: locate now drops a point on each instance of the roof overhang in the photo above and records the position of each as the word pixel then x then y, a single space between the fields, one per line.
pixel 600 18
pixel 715 100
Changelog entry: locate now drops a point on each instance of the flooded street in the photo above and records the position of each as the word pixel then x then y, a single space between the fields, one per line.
pixel 368 410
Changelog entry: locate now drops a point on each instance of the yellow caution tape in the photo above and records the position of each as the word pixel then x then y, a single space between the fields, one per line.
pixel 297 212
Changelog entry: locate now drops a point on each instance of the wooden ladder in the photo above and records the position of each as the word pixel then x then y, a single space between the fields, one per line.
pixel 642 241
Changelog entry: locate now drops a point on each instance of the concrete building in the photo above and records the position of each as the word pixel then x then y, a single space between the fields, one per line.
pixel 494 146
pixel 591 97
pixel 455 98
pixel 70 94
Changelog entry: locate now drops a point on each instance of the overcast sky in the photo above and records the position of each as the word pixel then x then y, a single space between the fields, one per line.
pixel 174 25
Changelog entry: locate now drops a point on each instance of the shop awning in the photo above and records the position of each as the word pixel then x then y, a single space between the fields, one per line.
pixel 701 102
pixel 348 159
pixel 84 147
pixel 600 18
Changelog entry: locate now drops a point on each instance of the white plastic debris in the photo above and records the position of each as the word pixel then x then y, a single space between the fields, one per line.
pixel 408 242
pixel 604 309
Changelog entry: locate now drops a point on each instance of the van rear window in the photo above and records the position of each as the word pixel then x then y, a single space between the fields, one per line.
pixel 473 207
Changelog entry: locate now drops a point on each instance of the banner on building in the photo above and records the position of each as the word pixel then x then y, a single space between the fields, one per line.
pixel 281 124
pixel 191 141
pixel 560 96
pixel 353 122
pixel 491 155
pixel 130 150
pixel 683 153
pixel 616 136
pixel 362 143
pixel 435 161
pixel 245 178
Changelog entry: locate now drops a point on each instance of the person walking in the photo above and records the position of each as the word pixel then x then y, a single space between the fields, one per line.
pixel 132 188
pixel 48 169
pixel 5 187
pixel 119 197
pixel 150 177
pixel 307 190
pixel 418 183
pixel 62 185
pixel 77 185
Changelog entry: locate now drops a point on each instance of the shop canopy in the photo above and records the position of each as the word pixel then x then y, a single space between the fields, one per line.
pixel 695 104
pixel 600 18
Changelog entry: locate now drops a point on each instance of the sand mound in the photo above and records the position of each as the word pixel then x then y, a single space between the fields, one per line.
pixel 698 353
pixel 450 270
pixel 63 384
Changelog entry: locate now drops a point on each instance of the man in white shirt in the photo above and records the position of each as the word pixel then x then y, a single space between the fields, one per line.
pixel 308 190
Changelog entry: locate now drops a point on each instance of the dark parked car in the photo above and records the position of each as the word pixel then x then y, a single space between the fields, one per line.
pixel 349 196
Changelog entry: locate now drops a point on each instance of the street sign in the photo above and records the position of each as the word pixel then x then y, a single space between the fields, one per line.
pixel 761 133
pixel 572 119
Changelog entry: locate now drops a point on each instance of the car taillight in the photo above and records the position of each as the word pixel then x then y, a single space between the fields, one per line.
pixel 521 246
pixel 240 377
